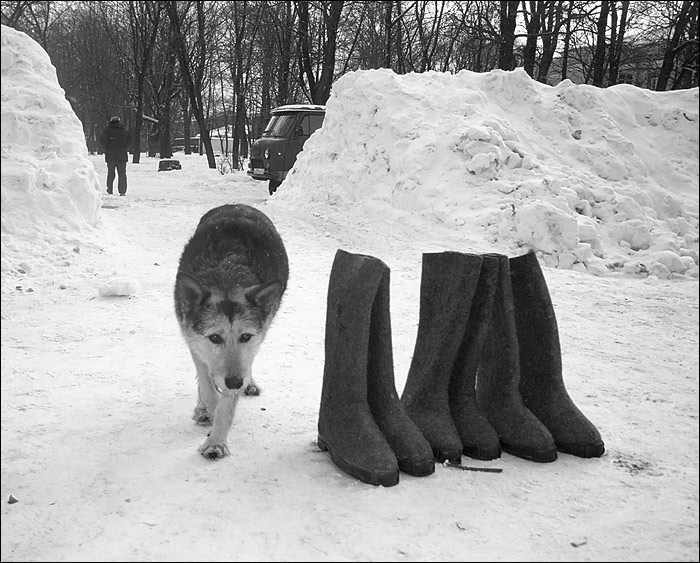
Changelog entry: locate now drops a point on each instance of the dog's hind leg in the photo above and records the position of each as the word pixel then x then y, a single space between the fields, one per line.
pixel 207 395
pixel 215 445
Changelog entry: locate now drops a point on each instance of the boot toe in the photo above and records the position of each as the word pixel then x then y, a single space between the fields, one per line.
pixel 593 449
pixel 380 471
pixel 417 467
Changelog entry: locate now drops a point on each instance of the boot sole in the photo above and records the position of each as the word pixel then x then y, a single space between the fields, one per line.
pixel 364 474
pixel 455 456
pixel 539 456
pixel 484 454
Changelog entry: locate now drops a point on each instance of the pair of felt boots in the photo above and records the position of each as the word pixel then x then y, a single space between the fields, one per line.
pixel 486 373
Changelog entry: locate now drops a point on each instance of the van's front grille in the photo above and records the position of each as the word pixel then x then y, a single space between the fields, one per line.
pixel 256 163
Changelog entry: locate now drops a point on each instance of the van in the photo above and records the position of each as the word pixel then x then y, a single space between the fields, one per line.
pixel 275 152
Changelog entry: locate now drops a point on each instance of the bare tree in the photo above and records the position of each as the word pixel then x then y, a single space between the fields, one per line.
pixel 509 12
pixel 600 46
pixel 319 77
pixel 617 38
pixel 36 18
pixel 193 67
pixel 427 36
pixel 144 21
pixel 244 23
pixel 684 38
pixel 532 15
pixel 553 20
pixel 163 88
pixel 14 12
pixel 235 61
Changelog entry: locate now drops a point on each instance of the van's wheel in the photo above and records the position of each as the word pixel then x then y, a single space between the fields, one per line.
pixel 273 185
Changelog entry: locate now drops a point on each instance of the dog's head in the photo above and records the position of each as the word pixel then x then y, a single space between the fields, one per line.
pixel 224 328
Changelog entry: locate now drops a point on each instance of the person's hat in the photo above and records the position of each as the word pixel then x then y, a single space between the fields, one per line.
pixel 115 119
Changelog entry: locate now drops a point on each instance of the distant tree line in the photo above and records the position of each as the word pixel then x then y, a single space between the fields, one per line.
pixel 193 67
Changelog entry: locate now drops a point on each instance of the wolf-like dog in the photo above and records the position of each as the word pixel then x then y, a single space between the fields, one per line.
pixel 231 278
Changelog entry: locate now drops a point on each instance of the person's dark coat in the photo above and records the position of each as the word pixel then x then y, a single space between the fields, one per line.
pixel 115 141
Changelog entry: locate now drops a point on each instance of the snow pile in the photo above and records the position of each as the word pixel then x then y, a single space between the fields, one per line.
pixel 119 286
pixel 597 180
pixel 50 190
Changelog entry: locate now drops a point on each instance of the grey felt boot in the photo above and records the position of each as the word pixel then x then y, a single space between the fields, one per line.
pixel 413 452
pixel 358 372
pixel 541 382
pixel 479 439
pixel 448 283
pixel 498 379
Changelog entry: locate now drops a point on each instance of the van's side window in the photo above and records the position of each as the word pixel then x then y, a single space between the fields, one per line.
pixel 316 122
pixel 310 123
pixel 305 126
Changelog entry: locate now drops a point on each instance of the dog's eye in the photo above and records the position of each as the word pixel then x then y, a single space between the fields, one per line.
pixel 215 339
pixel 245 337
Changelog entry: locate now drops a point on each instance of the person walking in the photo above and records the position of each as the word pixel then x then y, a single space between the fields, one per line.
pixel 115 140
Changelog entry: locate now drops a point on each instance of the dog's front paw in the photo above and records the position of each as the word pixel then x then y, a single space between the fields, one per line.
pixel 201 416
pixel 213 451
pixel 252 389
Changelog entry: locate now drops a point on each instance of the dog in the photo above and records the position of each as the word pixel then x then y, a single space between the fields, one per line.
pixel 230 281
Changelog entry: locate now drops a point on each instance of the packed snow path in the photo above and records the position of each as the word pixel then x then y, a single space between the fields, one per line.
pixel 100 452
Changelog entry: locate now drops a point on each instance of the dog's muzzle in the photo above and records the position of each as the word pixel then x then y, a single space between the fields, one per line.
pixel 233 382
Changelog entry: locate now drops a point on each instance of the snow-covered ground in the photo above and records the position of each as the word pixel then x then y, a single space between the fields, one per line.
pixel 98 448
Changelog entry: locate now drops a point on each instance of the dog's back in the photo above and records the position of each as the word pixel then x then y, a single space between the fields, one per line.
pixel 235 237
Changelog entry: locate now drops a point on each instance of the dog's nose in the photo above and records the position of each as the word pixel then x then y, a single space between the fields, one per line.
pixel 233 382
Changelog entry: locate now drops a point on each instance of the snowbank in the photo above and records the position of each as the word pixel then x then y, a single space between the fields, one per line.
pixel 50 190
pixel 597 180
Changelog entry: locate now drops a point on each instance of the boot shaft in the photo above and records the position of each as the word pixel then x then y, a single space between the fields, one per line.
pixel 448 283
pixel 351 290
pixel 536 323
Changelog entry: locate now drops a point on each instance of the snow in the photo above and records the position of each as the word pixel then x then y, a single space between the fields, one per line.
pixel 98 447
pixel 596 180
pixel 50 188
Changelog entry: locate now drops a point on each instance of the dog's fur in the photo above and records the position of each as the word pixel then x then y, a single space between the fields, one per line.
pixel 230 281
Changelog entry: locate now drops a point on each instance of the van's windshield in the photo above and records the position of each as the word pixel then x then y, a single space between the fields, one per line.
pixel 280 125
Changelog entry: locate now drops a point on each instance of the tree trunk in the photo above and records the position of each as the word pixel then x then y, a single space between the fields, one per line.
pixel 688 76
pixel 600 48
pixel 138 122
pixel 388 32
pixel 532 27
pixel 285 58
pixel 672 48
pixel 186 122
pixel 319 87
pixel 616 46
pixel 144 30
pixel 332 19
pixel 166 148
pixel 509 12
pixel 193 83
pixel 567 43
pixel 400 59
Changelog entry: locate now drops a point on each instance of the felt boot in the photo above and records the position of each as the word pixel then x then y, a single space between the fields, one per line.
pixel 479 439
pixel 498 378
pixel 413 452
pixel 356 350
pixel 448 283
pixel 541 382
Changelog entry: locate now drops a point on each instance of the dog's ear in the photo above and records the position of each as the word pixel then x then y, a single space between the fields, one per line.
pixel 266 296
pixel 190 292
